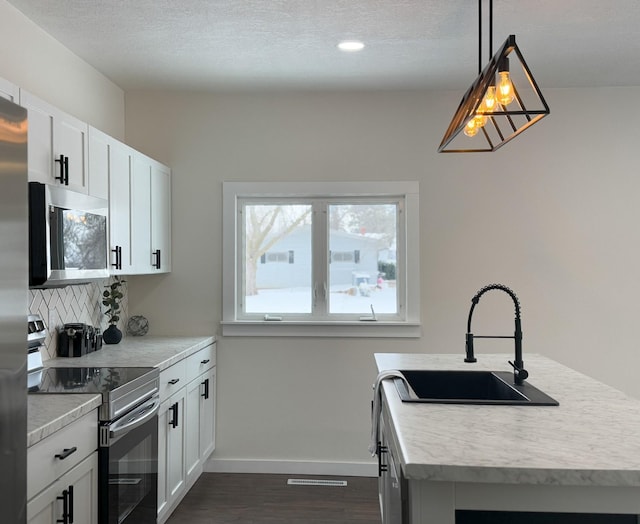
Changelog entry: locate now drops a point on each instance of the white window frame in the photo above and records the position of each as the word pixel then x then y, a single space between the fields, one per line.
pixel 406 324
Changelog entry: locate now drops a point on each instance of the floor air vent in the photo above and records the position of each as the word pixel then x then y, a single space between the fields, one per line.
pixel 316 482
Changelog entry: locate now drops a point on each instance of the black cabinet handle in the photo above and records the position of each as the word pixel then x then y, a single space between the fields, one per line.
pixel 118 252
pixel 70 498
pixel 174 381
pixel 156 254
pixel 174 416
pixel 382 467
pixel 65 508
pixel 66 452
pixel 63 177
pixel 206 389
pixel 205 361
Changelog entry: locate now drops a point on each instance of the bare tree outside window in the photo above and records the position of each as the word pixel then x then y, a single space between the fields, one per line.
pixel 264 227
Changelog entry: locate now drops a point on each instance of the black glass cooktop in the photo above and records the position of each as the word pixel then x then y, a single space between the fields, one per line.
pixel 87 380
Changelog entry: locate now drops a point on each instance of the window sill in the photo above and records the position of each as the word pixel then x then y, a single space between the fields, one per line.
pixel 376 329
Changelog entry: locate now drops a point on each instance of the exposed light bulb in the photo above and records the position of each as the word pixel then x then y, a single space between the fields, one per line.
pixel 505 89
pixel 486 106
pixel 489 100
pixel 471 129
pixel 479 120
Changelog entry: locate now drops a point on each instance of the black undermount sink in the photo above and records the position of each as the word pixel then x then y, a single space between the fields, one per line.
pixel 469 387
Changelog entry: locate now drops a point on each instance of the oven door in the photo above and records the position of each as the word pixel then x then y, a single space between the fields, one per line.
pixel 128 466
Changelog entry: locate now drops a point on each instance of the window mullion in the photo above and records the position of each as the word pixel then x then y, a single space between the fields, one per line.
pixel 320 250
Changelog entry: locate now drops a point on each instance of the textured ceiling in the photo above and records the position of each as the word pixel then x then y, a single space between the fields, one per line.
pixel 291 44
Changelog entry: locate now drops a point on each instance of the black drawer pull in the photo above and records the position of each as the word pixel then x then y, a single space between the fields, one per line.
pixel 70 496
pixel 174 381
pixel 66 452
pixel 174 416
pixel 118 252
pixel 206 361
pixel 157 254
pixel 381 467
pixel 65 508
pixel 63 177
pixel 205 395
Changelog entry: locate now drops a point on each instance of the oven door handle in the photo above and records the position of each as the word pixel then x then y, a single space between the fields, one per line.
pixel 139 416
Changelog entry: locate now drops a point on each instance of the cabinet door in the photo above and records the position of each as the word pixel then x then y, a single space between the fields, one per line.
pixel 9 91
pixel 193 414
pixel 99 145
pixel 141 215
pixel 200 424
pixel 163 422
pixel 161 217
pixel 58 145
pixel 171 439
pixel 208 414
pixel 40 151
pixel 70 139
pixel 120 178
pixel 79 487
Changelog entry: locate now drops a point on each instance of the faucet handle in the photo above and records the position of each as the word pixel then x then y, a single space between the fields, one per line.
pixel 519 373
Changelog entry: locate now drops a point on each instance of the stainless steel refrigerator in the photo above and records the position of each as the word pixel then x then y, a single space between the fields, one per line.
pixel 13 312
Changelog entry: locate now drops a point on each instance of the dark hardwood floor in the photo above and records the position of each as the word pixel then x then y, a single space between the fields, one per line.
pixel 223 498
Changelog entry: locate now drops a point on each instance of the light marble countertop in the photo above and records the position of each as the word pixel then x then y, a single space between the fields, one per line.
pixel 146 351
pixel 591 439
pixel 48 413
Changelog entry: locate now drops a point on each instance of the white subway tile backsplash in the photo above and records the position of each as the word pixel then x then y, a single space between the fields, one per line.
pixel 76 303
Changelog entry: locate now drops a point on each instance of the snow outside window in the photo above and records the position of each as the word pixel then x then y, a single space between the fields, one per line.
pixel 304 256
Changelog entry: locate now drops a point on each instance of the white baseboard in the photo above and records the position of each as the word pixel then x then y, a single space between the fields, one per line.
pixel 346 469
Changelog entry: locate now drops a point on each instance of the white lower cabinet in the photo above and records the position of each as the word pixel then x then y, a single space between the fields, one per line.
pixel 200 426
pixel 171 437
pixel 71 498
pixel 62 475
pixel 392 491
pixel 186 426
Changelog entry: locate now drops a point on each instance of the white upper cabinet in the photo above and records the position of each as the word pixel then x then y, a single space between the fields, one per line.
pixel 99 145
pixel 141 258
pixel 65 151
pixel 161 217
pixel 9 91
pixel 110 168
pixel 150 216
pixel 58 145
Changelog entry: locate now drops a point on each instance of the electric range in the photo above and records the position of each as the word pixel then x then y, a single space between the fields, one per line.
pixel 127 428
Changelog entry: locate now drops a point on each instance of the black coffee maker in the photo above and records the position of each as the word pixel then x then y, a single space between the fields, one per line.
pixel 75 340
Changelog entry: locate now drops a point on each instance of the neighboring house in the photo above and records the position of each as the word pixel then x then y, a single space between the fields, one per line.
pixel 288 262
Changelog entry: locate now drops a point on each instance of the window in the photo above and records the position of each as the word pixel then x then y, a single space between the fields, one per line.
pixel 277 257
pixel 301 256
pixel 342 256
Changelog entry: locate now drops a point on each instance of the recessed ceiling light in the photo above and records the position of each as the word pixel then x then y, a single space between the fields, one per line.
pixel 351 46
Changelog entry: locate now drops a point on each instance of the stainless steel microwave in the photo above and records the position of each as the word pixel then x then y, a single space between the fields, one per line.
pixel 67 236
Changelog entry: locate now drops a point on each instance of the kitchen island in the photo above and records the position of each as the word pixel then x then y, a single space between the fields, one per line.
pixel 582 456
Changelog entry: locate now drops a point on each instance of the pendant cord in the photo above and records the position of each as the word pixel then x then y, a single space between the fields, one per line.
pixel 490 29
pixel 479 36
pixel 480 33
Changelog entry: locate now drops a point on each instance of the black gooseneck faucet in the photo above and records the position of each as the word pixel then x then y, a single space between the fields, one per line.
pixel 519 373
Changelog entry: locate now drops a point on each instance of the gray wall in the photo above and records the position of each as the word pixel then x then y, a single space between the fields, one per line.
pixel 553 214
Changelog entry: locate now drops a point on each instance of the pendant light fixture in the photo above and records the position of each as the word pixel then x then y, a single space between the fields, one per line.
pixel 502 102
